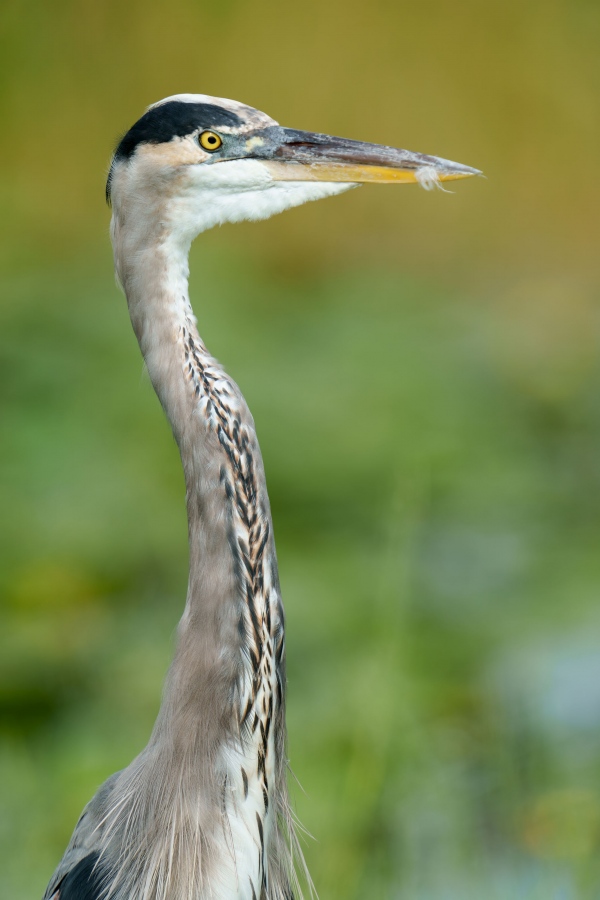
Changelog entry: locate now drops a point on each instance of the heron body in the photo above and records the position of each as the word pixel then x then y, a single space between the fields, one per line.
pixel 202 813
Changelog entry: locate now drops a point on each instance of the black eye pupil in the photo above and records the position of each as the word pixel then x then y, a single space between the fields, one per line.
pixel 212 140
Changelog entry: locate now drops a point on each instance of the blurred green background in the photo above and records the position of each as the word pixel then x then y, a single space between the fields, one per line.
pixel 425 378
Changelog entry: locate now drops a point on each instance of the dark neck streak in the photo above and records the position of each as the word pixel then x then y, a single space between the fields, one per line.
pixel 214 771
pixel 230 638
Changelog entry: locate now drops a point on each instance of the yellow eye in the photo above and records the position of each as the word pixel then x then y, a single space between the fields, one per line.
pixel 210 141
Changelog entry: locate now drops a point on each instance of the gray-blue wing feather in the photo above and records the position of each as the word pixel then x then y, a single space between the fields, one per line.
pixel 77 876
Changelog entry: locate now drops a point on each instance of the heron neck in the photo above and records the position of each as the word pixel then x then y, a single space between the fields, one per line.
pixel 219 739
pixel 231 633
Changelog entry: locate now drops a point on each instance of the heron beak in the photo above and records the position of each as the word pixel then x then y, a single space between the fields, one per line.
pixel 304 156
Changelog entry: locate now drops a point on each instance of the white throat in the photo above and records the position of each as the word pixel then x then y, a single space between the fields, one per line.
pixel 195 198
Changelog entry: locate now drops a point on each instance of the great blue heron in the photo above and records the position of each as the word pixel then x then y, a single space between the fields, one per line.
pixel 203 813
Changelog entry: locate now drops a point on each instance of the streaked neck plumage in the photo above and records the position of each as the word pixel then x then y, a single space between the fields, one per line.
pixel 213 775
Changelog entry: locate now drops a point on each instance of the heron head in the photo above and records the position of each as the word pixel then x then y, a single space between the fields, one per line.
pixel 198 161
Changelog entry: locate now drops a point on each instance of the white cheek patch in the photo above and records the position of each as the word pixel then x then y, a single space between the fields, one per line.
pixel 203 196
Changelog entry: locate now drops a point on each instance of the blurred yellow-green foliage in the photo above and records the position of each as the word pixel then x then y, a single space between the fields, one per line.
pixel 424 372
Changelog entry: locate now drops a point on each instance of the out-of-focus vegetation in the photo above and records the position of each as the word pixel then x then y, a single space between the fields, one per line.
pixel 424 373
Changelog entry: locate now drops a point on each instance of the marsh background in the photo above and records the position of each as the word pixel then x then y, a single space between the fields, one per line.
pixel 424 374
